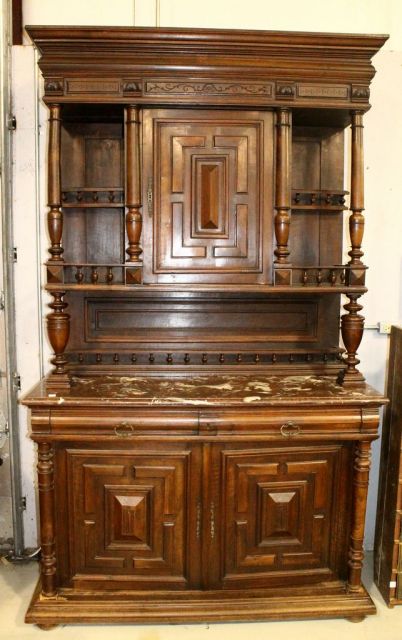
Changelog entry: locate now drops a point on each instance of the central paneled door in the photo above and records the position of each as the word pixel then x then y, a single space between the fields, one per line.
pixel 208 194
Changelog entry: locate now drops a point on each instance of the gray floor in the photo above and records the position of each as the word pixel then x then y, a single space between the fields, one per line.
pixel 17 584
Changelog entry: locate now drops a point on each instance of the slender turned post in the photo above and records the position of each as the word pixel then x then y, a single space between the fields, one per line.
pixel 352 323
pixel 55 215
pixel 47 528
pixel 133 184
pixel 360 489
pixel 356 220
pixel 282 186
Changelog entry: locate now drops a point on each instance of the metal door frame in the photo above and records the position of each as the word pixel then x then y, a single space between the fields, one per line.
pixel 10 376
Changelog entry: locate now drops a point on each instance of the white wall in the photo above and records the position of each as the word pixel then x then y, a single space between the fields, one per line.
pixel 383 142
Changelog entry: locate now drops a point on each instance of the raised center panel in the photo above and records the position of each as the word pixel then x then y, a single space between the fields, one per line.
pixel 282 515
pixel 210 183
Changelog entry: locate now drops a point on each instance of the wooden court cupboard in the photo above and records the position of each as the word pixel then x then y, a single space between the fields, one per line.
pixel 203 440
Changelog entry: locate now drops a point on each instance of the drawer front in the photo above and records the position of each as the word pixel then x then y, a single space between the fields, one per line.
pixel 273 423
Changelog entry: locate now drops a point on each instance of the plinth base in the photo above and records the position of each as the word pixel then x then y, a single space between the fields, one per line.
pixel 196 606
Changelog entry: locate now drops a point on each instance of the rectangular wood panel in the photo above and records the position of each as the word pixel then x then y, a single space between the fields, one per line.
pixel 128 516
pixel 281 515
pixel 212 196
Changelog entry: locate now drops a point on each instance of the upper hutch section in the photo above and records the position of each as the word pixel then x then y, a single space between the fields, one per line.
pixel 196 196
pixel 206 67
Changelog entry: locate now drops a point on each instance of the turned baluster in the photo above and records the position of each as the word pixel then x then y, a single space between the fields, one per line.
pixel 55 215
pixel 352 325
pixel 58 328
pixel 356 220
pixel 282 187
pixel 79 276
pixel 133 184
pixel 47 525
pixel 109 276
pixel 94 275
pixel 360 489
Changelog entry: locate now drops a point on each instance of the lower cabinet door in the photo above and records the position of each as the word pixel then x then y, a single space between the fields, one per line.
pixel 129 520
pixel 286 514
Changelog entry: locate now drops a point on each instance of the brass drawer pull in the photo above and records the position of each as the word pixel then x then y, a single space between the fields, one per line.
pixel 290 429
pixel 124 429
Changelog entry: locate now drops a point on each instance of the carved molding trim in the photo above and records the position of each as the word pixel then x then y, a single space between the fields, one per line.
pixel 323 91
pixel 208 88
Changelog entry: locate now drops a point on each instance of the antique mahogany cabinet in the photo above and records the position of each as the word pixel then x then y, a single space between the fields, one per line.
pixel 203 440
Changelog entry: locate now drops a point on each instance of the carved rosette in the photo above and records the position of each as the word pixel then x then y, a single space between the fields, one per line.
pixel 133 184
pixel 360 488
pixel 47 526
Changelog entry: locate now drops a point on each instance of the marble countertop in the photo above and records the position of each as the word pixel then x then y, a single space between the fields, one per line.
pixel 205 390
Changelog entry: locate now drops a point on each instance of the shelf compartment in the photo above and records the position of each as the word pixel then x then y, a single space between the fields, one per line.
pixel 93 198
pixel 318 200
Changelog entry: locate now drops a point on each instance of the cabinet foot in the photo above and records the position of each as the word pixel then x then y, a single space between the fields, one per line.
pixel 47 627
pixel 356 618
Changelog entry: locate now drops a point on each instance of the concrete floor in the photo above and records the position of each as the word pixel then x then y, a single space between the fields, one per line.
pixel 17 584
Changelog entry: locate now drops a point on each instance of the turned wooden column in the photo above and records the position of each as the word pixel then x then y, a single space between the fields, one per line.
pixel 360 488
pixel 282 195
pixel 352 323
pixel 352 326
pixel 47 526
pixel 133 183
pixel 356 220
pixel 55 215
pixel 58 328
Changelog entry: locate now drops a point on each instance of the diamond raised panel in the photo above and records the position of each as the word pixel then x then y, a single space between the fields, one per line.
pixel 129 516
pixel 279 508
